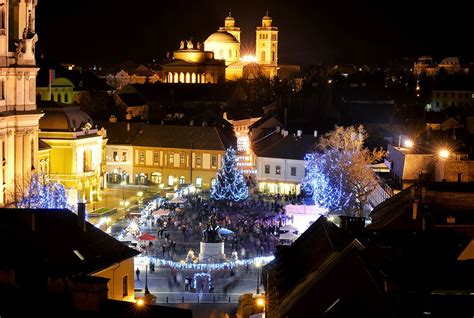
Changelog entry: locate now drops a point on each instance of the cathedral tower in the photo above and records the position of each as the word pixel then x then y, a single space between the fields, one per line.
pixel 267 46
pixel 229 26
pixel 18 115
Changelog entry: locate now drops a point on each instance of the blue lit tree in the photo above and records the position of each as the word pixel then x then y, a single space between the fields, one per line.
pixel 338 174
pixel 41 193
pixel 230 184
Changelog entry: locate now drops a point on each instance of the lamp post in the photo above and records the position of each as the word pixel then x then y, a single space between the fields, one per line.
pixel 258 265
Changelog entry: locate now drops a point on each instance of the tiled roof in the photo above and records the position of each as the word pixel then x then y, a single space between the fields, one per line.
pixel 132 99
pixel 181 137
pixel 289 147
pixel 55 243
pixel 120 133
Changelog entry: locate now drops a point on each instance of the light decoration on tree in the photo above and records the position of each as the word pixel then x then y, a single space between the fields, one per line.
pixel 230 184
pixel 199 275
pixel 263 260
pixel 325 183
pixel 42 194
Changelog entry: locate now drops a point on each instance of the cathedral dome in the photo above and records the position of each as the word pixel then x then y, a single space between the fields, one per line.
pixel 59 117
pixel 221 37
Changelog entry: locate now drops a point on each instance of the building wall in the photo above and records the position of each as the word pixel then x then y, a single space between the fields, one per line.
pixel 230 52
pixel 454 170
pixel 149 162
pixel 444 99
pixel 116 274
pixel 121 165
pixel 406 166
pixel 18 122
pixel 284 182
pixel 67 162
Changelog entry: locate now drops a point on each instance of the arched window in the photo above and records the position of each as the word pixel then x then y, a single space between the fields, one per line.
pixel 230 53
pixel 188 78
pixel 193 78
pixel 182 180
pixel 176 79
pixel 181 77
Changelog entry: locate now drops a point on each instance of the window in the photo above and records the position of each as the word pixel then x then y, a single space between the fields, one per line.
pixel 3 150
pixel 452 94
pixel 125 286
pixel 278 170
pixel 182 159
pixel 170 180
pixel 274 37
pixel 213 182
pixel 267 169
pixel 141 157
pixel 214 161
pixel 198 182
pixel 221 53
pixel 445 94
pixel 87 161
pixel 182 180
pixel 273 56
pixel 66 98
pixel 2 89
pixel 293 171
pixel 230 53
pixel 263 56
pixel 115 156
pixel 437 94
pixel 124 156
pixel 198 160
pixel 32 151
pixel 170 158
pixel 156 158
pixel 156 178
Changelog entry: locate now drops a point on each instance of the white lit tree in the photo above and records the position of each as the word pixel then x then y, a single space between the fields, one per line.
pixel 230 184
pixel 40 193
pixel 338 173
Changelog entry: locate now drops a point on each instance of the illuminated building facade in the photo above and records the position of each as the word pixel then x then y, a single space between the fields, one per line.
pixel 221 58
pixel 77 150
pixel 19 116
pixel 163 156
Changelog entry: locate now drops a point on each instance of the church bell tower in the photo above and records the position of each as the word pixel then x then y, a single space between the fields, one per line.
pixel 19 118
pixel 267 46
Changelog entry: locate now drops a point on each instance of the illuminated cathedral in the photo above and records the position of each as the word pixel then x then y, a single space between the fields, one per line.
pixel 220 58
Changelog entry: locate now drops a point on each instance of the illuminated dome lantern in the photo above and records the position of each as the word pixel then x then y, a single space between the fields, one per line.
pixel 224 45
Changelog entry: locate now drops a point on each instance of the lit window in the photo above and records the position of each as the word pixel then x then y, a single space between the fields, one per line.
pixel 170 180
pixel 213 182
pixel 277 170
pixel 170 158
pixel 198 160
pixel 115 157
pixel 156 157
pixel 198 182
pixel 124 156
pixel 141 157
pixel 214 161
pixel 182 180
pixel 182 159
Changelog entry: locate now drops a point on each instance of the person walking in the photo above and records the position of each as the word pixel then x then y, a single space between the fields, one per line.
pixel 138 274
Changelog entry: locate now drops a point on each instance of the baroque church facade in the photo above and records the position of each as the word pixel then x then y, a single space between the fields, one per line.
pixel 220 58
pixel 19 117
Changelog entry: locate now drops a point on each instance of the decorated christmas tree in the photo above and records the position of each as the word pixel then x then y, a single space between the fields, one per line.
pixel 230 184
pixel 41 193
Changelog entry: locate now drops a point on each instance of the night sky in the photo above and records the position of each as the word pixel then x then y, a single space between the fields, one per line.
pixel 331 31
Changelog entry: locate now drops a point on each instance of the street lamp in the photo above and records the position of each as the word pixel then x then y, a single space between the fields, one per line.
pixel 444 154
pixel 408 143
pixel 258 265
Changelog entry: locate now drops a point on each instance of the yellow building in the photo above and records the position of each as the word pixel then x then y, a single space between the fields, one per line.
pixel 203 63
pixel 77 150
pixel 61 90
pixel 164 156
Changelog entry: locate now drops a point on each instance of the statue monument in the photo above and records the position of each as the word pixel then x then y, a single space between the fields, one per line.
pixel 212 246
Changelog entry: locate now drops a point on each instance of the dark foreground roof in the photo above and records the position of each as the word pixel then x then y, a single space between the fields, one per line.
pixel 289 147
pixel 52 245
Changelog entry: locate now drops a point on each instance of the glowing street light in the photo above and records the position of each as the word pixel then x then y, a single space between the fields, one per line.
pixel 444 153
pixel 260 302
pixel 408 143
pixel 140 302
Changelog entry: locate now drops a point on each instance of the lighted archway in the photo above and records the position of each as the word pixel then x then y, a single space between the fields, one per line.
pixel 188 78
pixel 193 78
pixel 181 77
pixel 176 78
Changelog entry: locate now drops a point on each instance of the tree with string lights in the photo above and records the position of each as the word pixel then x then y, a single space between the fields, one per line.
pixel 230 184
pixel 40 193
pixel 338 173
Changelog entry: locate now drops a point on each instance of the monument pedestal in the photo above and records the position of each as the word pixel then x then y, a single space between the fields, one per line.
pixel 211 252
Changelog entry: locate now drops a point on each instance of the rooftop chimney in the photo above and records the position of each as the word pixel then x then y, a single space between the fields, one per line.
pixel 81 215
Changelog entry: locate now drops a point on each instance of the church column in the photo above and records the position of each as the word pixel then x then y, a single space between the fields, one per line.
pixel 19 159
pixel 27 154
